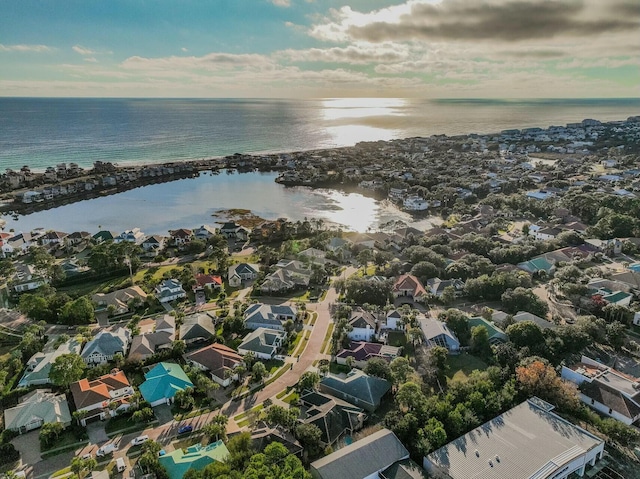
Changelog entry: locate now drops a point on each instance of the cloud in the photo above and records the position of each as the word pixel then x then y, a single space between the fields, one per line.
pixel 281 3
pixel 210 62
pixel 25 48
pixel 91 59
pixel 357 54
pixel 498 20
pixel 184 49
pixel 82 50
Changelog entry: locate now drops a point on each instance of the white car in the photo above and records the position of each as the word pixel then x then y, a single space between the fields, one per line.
pixel 136 441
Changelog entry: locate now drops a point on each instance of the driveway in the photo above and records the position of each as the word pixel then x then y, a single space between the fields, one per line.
pixel 29 446
pixel 163 413
pixel 96 432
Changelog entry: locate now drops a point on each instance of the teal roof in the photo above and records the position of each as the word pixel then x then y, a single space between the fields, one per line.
pixel 492 329
pixel 163 381
pixel 536 264
pixel 616 297
pixel 178 462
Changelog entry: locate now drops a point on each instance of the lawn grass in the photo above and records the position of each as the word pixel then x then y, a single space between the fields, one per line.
pixel 292 397
pixel 294 344
pixel 242 415
pixel 119 423
pixel 397 338
pixel 327 338
pixel 462 365
pixel 62 472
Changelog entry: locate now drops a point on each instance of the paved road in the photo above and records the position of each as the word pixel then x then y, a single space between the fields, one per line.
pixel 165 433
pixel 308 356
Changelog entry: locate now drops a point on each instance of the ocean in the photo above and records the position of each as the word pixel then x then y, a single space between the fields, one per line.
pixel 42 132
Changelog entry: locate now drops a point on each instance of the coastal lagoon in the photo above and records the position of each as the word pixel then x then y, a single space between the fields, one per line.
pixel 189 203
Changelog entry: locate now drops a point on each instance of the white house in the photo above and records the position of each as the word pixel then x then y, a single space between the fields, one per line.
pixel 436 333
pixel 105 345
pixel 606 390
pixel 527 441
pixel 132 236
pixel 242 272
pixel 95 397
pixel 170 290
pixel 263 343
pixel 364 324
pixel 415 203
pixel 269 316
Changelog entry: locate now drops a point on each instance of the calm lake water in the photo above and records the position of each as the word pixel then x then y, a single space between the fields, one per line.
pixel 189 203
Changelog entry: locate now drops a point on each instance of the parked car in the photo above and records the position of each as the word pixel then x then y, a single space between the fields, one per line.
pixel 120 465
pixel 136 441
pixel 185 429
pixel 106 449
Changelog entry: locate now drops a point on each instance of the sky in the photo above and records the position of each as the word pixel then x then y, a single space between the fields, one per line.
pixel 320 48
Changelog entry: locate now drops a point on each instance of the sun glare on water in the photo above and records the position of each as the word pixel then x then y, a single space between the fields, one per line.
pixel 352 211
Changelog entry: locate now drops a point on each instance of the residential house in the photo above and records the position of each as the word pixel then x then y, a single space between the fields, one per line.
pixel 364 325
pixel 153 244
pixel 408 286
pixel 234 231
pixel 26 278
pixel 170 290
pixel 289 275
pixel 394 320
pixel 529 440
pixel 219 360
pixel 209 281
pixel 313 256
pixel 196 457
pixel 404 469
pixel 496 335
pixel 35 409
pixel 105 345
pixel 610 247
pixel 362 351
pixel 265 434
pixel 436 286
pixel 340 247
pixel 263 343
pixel 21 242
pixel 242 272
pixel 120 300
pixel 39 365
pixel 335 418
pixel 145 345
pixel 269 316
pixel 131 236
pixel 105 235
pixel 162 382
pixel 606 390
pixel 197 327
pixel 53 238
pixel 364 459
pixel 181 237
pixel 204 232
pixel 77 237
pixel 538 265
pixel 357 388
pixel 95 398
pixel 541 322
pixel 437 333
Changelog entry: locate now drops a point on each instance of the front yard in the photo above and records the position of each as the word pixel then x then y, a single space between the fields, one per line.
pixel 462 365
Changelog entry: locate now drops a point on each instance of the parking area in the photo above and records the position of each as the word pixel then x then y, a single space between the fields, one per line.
pixel 163 413
pixel 29 446
pixel 96 432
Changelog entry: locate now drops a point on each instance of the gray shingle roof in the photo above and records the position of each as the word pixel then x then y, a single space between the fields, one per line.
pixel 358 388
pixel 362 458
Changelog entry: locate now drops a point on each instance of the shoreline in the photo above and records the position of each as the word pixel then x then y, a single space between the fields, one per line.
pixel 29 192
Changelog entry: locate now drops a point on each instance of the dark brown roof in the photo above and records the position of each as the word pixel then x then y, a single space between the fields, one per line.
pixel 611 397
pixel 216 358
